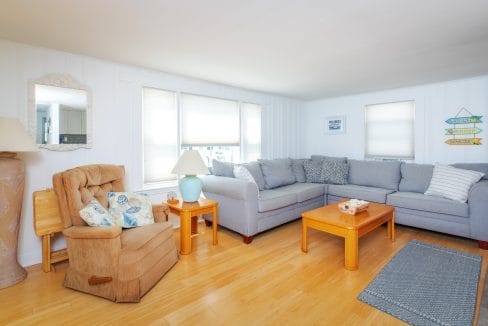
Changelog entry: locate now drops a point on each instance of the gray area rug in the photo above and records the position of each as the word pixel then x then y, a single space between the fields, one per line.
pixel 425 284
pixel 483 313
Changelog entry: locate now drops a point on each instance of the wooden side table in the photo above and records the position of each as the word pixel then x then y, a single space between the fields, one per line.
pixel 188 213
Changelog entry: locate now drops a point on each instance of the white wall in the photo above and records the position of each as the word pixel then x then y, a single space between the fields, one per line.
pixel 117 134
pixel 434 104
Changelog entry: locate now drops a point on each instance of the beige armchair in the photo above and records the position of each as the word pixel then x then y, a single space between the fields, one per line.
pixel 120 265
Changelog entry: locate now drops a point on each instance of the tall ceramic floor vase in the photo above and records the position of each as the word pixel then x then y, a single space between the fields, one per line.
pixel 11 192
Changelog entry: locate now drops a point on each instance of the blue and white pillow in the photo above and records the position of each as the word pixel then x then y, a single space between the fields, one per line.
pixel 129 209
pixel 94 214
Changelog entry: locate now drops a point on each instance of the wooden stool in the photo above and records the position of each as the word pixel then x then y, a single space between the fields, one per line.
pixel 47 222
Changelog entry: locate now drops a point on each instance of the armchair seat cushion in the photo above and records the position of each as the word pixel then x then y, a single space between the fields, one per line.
pixel 136 238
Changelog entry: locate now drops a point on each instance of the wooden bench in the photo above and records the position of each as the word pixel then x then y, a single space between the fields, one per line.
pixel 47 222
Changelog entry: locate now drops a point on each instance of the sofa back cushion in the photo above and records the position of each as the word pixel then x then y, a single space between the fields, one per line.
pixel 330 158
pixel 382 174
pixel 480 167
pixel 223 169
pixel 415 177
pixel 277 172
pixel 255 169
pixel 298 169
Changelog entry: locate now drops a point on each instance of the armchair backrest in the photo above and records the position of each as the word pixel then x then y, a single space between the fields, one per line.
pixel 77 187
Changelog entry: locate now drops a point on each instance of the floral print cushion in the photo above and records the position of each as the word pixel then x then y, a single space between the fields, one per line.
pixel 129 209
pixel 94 214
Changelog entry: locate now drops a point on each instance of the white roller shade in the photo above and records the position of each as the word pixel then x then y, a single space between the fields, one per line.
pixel 251 131
pixel 390 130
pixel 160 125
pixel 209 121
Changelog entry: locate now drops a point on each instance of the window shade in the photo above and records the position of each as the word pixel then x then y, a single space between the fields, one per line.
pixel 209 121
pixel 251 131
pixel 160 121
pixel 390 130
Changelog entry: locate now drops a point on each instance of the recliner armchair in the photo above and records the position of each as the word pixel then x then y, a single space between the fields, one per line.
pixel 116 264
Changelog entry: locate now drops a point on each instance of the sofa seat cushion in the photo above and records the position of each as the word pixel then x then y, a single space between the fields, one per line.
pixel 417 201
pixel 276 198
pixel 305 191
pixel 374 194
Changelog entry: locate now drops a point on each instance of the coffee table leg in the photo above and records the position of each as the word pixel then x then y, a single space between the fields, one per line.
pixel 391 228
pixel 214 226
pixel 185 233
pixel 351 259
pixel 304 237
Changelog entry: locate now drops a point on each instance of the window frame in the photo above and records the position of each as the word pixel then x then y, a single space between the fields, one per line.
pixel 179 146
pixel 389 157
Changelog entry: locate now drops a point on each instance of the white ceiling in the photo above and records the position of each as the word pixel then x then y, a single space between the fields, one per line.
pixel 305 49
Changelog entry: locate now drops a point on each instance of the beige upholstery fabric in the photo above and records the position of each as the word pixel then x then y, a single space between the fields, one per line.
pixel 135 259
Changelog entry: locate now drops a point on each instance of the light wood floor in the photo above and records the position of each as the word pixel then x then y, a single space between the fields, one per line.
pixel 269 282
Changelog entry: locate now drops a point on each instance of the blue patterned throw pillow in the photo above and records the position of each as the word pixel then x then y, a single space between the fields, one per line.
pixel 129 210
pixel 94 214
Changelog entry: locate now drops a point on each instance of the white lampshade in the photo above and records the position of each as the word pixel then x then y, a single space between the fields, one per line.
pixel 190 163
pixel 14 137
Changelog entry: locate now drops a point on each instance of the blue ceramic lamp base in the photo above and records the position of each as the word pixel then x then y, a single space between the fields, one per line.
pixel 190 188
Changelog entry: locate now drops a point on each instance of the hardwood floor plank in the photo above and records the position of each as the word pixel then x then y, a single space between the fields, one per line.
pixel 270 281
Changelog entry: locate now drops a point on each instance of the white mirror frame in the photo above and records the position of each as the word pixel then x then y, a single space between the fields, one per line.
pixel 65 81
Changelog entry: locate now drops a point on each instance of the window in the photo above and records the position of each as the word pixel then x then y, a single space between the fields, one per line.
pixel 218 128
pixel 390 130
pixel 160 128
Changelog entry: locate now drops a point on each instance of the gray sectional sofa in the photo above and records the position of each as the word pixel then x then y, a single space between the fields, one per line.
pixel 246 209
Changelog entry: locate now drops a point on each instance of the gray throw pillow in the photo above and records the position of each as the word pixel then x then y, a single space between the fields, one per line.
pixel 334 172
pixel 313 171
pixel 298 170
pixel 255 169
pixel 277 172
pixel 415 177
pixel 223 169
pixel 330 158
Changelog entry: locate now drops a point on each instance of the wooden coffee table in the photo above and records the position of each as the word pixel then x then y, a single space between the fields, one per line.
pixel 351 227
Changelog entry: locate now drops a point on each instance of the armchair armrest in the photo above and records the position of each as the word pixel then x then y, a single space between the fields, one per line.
pixel 92 232
pixel 478 210
pixel 160 212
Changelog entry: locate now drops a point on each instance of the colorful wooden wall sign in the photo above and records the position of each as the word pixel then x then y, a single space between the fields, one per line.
pixel 463 129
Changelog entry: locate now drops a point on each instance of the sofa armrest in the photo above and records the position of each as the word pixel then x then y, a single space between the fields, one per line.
pixel 230 187
pixel 160 212
pixel 92 232
pixel 478 210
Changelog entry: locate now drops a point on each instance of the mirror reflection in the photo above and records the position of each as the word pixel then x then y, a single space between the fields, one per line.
pixel 60 115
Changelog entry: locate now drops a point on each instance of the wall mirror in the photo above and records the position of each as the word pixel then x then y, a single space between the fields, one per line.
pixel 60 113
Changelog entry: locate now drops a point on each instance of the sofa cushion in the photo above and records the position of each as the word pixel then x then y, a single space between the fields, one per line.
pixel 240 172
pixel 331 158
pixel 334 172
pixel 417 201
pixel 275 198
pixel 381 174
pixel 305 191
pixel 277 172
pixel 255 169
pixel 298 169
pixel 223 169
pixel 415 177
pixel 374 194
pixel 313 171
pixel 452 183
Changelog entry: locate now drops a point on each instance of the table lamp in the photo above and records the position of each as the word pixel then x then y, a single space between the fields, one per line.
pixel 13 138
pixel 190 164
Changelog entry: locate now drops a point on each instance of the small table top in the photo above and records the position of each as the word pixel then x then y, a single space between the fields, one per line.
pixel 191 206
pixel 331 214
